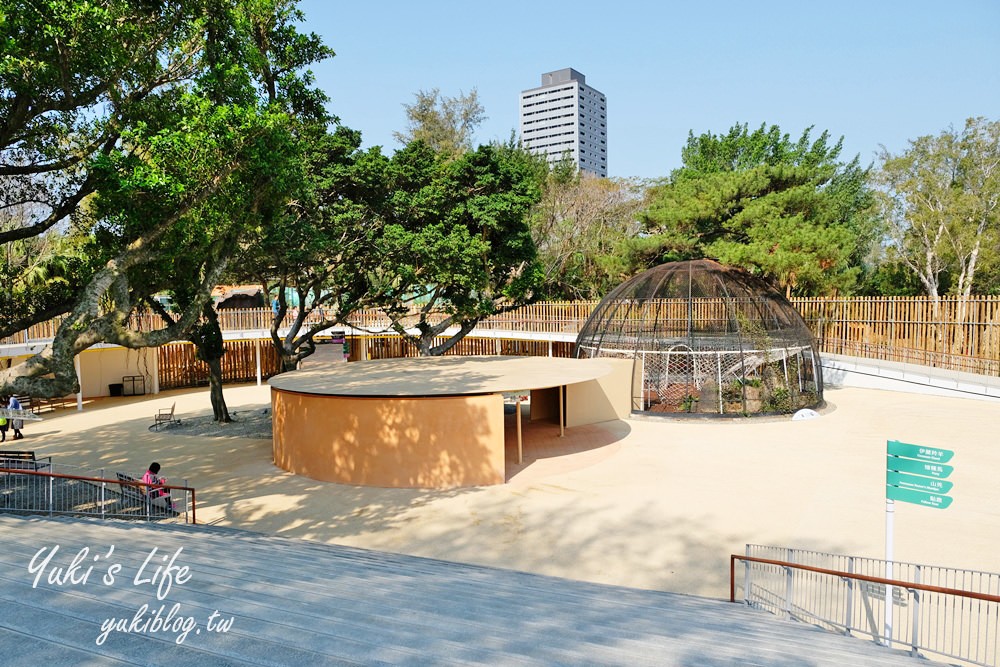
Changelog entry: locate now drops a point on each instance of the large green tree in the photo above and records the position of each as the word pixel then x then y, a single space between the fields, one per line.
pixel 787 209
pixel 73 74
pixel 146 132
pixel 276 55
pixel 455 245
pixel 320 244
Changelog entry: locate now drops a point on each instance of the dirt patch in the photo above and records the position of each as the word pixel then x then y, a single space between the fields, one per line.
pixel 253 423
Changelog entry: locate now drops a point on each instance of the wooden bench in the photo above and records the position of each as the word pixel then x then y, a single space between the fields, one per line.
pixel 54 404
pixel 27 403
pixel 131 491
pixel 23 460
pixel 164 417
pixel 136 492
pixel 36 405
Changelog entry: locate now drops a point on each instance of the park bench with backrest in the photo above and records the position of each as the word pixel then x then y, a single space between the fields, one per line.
pixel 26 403
pixel 134 490
pixel 36 405
pixel 23 460
pixel 55 403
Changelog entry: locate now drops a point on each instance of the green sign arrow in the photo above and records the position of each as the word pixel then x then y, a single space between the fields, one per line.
pixel 917 497
pixel 932 454
pixel 938 470
pixel 917 483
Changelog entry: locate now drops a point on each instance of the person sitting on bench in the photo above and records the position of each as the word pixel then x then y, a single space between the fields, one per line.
pixel 158 496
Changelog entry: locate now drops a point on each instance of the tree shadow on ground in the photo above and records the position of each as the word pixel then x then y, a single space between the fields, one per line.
pixel 538 522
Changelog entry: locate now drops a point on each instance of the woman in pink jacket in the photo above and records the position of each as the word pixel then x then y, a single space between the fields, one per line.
pixel 159 496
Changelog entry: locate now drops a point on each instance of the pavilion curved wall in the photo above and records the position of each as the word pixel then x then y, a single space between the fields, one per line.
pixel 412 442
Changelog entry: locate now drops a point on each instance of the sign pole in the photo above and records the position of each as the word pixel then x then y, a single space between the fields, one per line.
pixel 517 410
pixel 913 474
pixel 890 511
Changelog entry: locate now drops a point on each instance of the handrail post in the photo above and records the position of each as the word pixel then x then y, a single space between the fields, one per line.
pixel 732 577
pixel 915 636
pixel 51 495
pixel 746 576
pixel 849 617
pixel 104 486
pixel 789 574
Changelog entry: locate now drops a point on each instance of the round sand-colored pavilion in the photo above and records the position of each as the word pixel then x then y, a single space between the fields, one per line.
pixel 432 422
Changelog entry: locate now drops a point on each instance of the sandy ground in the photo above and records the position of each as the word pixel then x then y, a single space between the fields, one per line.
pixel 644 503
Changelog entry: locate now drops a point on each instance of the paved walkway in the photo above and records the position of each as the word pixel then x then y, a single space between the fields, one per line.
pixel 642 503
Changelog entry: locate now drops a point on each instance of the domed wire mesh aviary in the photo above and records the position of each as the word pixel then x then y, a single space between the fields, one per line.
pixel 706 340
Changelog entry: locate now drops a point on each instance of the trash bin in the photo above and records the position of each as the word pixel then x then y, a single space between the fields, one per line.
pixel 135 385
pixel 116 389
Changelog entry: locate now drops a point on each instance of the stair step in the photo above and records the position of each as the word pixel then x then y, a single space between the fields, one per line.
pixel 297 602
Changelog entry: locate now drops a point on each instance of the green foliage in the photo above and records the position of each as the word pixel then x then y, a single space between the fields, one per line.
pixel 689 403
pixel 446 124
pixel 941 199
pixel 72 75
pixel 162 131
pixel 320 243
pixel 41 275
pixel 778 400
pixel 581 227
pixel 456 244
pixel 893 279
pixel 789 210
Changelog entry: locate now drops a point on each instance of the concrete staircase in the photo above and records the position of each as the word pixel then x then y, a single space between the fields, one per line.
pixel 299 603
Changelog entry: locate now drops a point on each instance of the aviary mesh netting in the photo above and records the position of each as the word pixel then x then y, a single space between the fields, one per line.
pixel 706 340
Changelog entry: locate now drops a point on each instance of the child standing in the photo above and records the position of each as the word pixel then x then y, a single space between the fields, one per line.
pixel 16 424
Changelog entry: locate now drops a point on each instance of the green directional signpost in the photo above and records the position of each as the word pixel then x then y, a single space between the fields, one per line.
pixel 938 470
pixel 896 448
pixel 937 500
pixel 913 474
pixel 915 483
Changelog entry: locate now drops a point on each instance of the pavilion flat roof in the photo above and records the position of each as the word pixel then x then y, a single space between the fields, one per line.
pixel 440 376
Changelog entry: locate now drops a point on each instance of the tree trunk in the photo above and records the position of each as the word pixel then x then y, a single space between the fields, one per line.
pixel 207 338
pixel 219 409
pixel 289 362
pixel 464 329
pixel 424 345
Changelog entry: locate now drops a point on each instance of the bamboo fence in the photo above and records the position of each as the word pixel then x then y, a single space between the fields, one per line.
pixel 180 368
pixel 952 333
pixel 392 347
pixel 949 333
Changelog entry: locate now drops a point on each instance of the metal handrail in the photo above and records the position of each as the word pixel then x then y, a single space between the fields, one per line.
pixel 958 624
pixel 851 575
pixel 56 475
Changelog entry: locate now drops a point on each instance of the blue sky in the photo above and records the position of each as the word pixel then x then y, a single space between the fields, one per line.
pixel 879 72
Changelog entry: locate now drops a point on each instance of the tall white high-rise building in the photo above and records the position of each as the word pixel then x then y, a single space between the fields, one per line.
pixel 566 117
